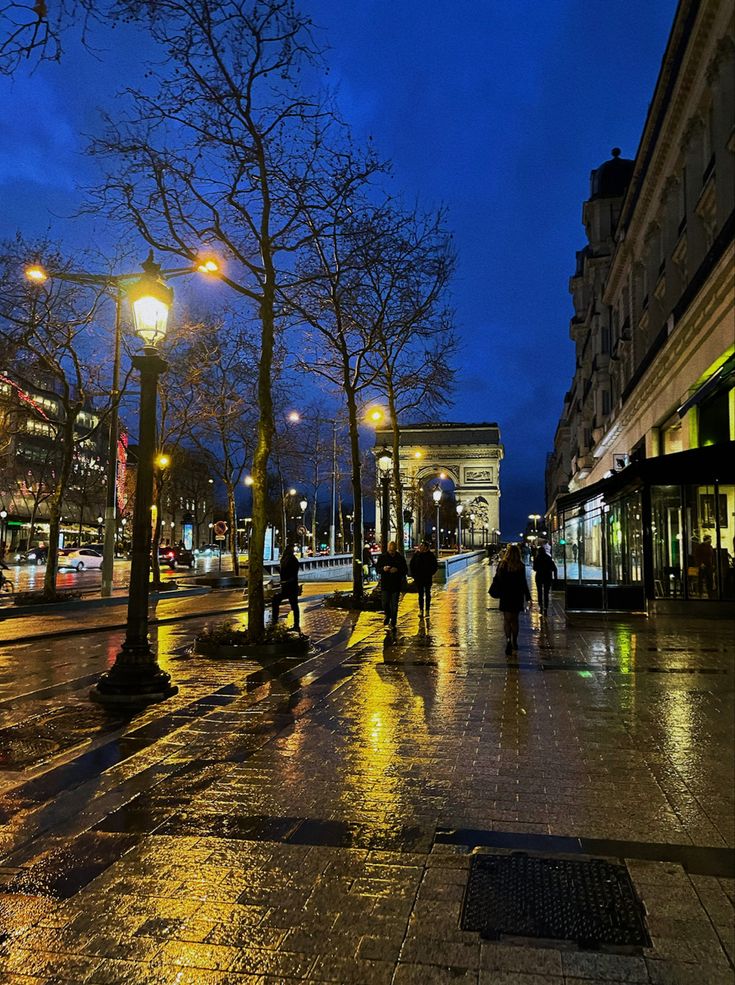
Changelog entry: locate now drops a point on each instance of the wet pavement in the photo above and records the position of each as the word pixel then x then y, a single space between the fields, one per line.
pixel 315 820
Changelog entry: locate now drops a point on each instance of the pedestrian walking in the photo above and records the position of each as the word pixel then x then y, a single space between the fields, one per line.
pixel 392 569
pixel 367 563
pixel 511 588
pixel 545 568
pixel 424 566
pixel 704 560
pixel 289 589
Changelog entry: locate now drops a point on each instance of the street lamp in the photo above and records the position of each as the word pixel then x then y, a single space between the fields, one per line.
pixel 100 521
pixel 385 461
pixel 118 285
pixel 472 528
pixel 437 497
pixel 460 508
pixel 135 678
pixel 3 527
pixel 303 503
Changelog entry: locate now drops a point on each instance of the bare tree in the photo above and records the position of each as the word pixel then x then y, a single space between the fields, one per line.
pixel 219 384
pixel 50 333
pixel 213 153
pixel 408 268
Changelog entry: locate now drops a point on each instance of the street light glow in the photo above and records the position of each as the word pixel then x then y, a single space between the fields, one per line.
pixel 36 274
pixel 294 417
pixel 208 266
pixel 418 454
pixel 151 300
pixel 248 480
pixel 163 461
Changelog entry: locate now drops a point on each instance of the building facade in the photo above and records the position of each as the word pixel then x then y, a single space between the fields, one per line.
pixel 641 482
pixel 30 426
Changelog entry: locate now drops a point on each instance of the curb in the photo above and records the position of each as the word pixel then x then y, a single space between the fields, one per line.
pixel 18 611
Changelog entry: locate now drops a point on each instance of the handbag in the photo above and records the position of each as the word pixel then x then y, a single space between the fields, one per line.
pixel 494 590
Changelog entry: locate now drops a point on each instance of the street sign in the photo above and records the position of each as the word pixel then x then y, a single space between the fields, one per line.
pixel 219 536
pixel 220 529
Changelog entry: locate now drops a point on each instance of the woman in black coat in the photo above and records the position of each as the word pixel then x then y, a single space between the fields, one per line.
pixel 510 580
pixel 289 571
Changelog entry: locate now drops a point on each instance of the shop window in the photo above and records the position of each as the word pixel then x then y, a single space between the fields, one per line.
pixel 726 547
pixel 671 438
pixel 590 545
pixel 714 419
pixel 666 541
pixel 706 508
pixel 572 534
pixel 624 542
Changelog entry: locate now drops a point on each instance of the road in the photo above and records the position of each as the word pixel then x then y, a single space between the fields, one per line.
pixel 29 577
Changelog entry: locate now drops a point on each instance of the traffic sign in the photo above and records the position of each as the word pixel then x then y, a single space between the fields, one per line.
pixel 220 528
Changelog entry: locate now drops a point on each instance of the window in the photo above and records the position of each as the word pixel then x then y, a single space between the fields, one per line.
pixel 606 402
pixel 714 419
pixel 40 428
pixel 671 438
pixel 666 541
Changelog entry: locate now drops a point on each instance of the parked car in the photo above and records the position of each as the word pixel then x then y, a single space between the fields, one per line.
pixel 36 555
pixel 175 556
pixel 80 558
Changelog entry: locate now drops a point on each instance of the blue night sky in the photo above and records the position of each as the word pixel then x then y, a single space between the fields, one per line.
pixel 496 109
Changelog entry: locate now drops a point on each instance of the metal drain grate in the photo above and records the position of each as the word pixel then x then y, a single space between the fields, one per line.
pixel 591 901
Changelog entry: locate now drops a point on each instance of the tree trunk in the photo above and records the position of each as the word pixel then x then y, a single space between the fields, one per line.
pixel 156 533
pixel 397 487
pixel 357 589
pixel 232 515
pixel 256 603
pixel 341 519
pixel 55 500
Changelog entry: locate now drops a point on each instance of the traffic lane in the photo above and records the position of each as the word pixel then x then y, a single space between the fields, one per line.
pixel 29 577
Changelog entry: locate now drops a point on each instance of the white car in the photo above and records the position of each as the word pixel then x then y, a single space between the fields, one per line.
pixel 80 558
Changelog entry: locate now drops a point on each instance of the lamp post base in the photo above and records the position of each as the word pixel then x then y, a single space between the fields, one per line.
pixel 134 682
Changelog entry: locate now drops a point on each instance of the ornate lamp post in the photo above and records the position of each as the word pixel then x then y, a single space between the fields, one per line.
pixel 437 497
pixel 118 285
pixel 385 461
pixel 135 678
pixel 460 509
pixel 472 528
pixel 303 504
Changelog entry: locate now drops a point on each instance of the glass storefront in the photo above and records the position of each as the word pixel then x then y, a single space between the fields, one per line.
pixel 692 534
pixel 603 553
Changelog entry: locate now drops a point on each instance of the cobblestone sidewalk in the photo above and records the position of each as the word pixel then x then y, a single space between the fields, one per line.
pixel 315 822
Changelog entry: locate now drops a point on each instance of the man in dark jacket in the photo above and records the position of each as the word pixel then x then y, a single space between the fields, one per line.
pixel 424 566
pixel 392 569
pixel 545 568
pixel 289 588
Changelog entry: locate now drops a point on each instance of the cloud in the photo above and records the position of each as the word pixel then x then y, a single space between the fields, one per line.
pixel 38 142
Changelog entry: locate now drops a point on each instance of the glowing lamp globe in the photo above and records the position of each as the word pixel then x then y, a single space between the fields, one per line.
pixel 385 460
pixel 437 496
pixel 151 300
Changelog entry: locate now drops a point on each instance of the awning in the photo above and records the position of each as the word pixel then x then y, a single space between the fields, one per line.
pixel 721 379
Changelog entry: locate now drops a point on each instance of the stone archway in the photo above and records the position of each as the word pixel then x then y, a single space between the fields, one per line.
pixel 468 454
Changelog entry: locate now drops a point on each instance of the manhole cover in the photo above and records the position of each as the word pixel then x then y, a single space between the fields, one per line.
pixel 590 901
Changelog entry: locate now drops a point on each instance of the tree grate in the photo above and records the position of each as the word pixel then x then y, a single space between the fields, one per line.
pixel 590 901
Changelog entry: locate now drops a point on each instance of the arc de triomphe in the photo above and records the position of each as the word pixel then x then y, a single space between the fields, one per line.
pixel 468 454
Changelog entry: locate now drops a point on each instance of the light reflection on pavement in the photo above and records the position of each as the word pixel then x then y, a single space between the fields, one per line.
pixel 283 822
